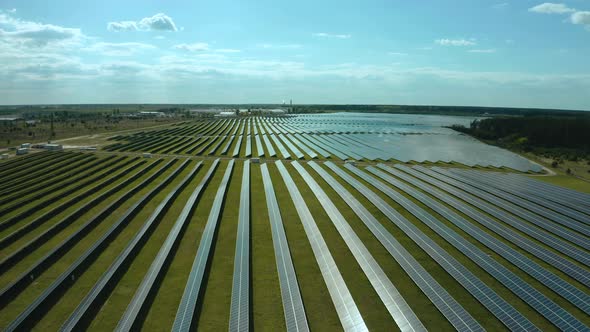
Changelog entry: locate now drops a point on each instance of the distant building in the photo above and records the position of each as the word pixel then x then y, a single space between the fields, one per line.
pixel 21 151
pixel 277 111
pixel 226 114
pixel 53 147
pixel 26 145
pixel 152 114
pixel 10 121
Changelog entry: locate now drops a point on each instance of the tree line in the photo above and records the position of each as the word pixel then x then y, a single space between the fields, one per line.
pixel 560 134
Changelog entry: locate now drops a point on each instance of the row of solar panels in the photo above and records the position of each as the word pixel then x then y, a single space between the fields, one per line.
pixel 293 306
pixel 343 146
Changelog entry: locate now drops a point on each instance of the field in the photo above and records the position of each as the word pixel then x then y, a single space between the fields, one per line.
pixel 19 132
pixel 269 224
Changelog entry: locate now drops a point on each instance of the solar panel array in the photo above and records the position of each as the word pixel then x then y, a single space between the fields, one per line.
pixel 497 181
pixel 487 200
pixel 509 316
pixel 186 309
pixel 444 302
pixel 349 315
pixel 566 290
pixel 295 318
pixel 100 287
pixel 516 249
pixel 164 254
pixel 398 308
pixel 24 318
pixel 537 300
pixel 539 212
pixel 239 319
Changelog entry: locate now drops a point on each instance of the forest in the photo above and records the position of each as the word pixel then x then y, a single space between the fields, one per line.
pixel 555 136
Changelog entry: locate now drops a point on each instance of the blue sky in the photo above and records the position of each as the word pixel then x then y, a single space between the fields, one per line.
pixel 463 52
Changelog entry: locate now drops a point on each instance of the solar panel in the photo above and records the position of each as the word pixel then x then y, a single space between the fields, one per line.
pixel 291 147
pixel 397 307
pixel 539 210
pixel 442 300
pixel 101 286
pixel 553 259
pixel 500 182
pixel 529 294
pixel 347 311
pixel 259 147
pixel 565 193
pixel 295 318
pixel 282 150
pixel 239 319
pixel 186 309
pixel 318 149
pixel 248 151
pixel 328 141
pixel 318 141
pixel 227 145
pixel 484 294
pixel 217 145
pixel 164 254
pixel 546 238
pixel 25 318
pixel 236 151
pixel 269 147
pixel 302 146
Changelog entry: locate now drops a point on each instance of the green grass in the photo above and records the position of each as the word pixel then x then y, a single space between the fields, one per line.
pixel 267 308
pixel 370 306
pixel 479 312
pixel 566 181
pixel 54 220
pixel 110 313
pixel 113 308
pixel 320 311
pixel 85 281
pixel 524 276
pixel 160 315
pixel 216 300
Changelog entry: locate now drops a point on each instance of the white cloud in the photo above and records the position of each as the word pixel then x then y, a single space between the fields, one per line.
pixel 455 42
pixel 501 5
pixel 577 17
pixel 582 17
pixel 397 53
pixel 551 8
pixel 20 33
pixel 118 49
pixel 159 37
pixel 195 47
pixel 12 11
pixel 331 35
pixel 489 50
pixel 158 22
pixel 122 26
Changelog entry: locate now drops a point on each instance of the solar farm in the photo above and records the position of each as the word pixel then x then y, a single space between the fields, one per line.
pixel 316 222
